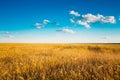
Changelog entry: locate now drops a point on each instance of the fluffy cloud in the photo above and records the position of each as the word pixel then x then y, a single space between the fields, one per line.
pixel 108 19
pixel 66 30
pixel 72 12
pixel 41 25
pixel 84 23
pixel 72 21
pixel 46 21
pixel 87 19
pixel 90 18
pixel 38 25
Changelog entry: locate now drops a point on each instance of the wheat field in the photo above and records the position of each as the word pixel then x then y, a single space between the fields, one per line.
pixel 59 61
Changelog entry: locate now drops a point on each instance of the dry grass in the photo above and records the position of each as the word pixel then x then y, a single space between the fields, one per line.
pixel 59 61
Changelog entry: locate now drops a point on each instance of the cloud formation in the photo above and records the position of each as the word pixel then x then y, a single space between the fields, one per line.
pixel 66 30
pixel 89 18
pixel 72 12
pixel 84 23
pixel 46 21
pixel 38 25
pixel 72 20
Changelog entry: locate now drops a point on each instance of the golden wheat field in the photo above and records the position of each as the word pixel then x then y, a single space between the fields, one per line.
pixel 59 61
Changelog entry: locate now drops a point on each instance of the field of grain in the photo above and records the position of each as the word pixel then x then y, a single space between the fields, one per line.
pixel 59 61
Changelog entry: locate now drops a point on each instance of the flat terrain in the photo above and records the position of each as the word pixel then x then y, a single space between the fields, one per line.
pixel 59 61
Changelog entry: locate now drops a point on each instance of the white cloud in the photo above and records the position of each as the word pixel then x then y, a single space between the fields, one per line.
pixel 84 23
pixel 46 21
pixel 38 25
pixel 89 18
pixel 72 12
pixel 72 21
pixel 108 19
pixel 66 30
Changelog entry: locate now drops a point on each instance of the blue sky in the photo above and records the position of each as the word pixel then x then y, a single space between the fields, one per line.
pixel 60 21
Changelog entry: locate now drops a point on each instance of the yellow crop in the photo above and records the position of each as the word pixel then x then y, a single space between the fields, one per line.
pixel 59 61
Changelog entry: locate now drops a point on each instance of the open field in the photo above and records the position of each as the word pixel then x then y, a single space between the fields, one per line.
pixel 59 61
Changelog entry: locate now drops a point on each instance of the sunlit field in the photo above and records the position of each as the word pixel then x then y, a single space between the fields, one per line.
pixel 59 61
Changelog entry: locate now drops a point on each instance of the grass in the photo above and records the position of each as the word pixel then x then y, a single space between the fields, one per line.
pixel 59 61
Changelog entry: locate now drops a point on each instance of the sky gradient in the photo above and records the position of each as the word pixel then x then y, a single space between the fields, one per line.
pixel 60 21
